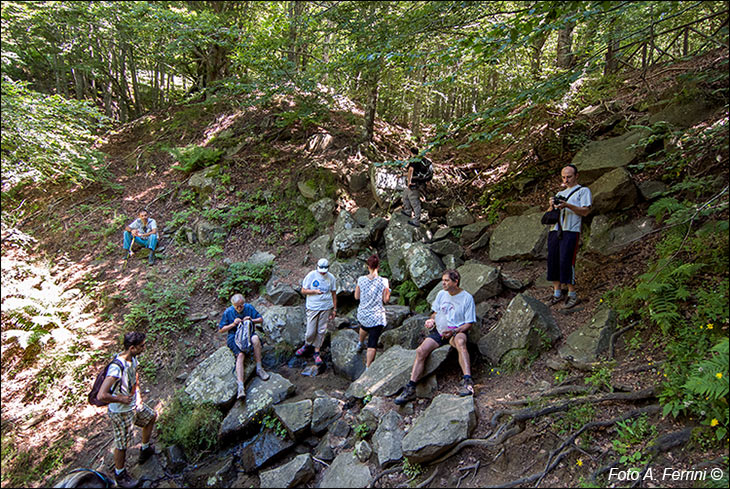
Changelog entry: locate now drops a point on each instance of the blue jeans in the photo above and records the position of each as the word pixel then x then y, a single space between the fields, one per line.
pixel 150 242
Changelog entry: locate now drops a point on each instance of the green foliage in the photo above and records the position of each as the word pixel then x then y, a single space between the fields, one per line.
pixel 194 157
pixel 243 278
pixel 708 382
pixel 362 431
pixel 274 424
pixel 213 251
pixel 189 425
pixel 575 417
pixel 408 293
pixel 411 470
pixel 161 309
pixel 632 434
pixel 601 379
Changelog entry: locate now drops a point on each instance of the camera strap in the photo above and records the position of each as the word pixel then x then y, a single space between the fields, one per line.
pixel 562 214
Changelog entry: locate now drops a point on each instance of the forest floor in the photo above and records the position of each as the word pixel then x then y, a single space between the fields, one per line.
pixel 44 420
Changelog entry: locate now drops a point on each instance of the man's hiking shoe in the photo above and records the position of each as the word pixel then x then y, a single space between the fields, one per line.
pixel 467 388
pixel 408 394
pixel 304 350
pixel 151 259
pixel 407 214
pixel 262 373
pixel 125 480
pixel 555 300
pixel 241 391
pixel 360 347
pixel 317 359
pixel 413 222
pixel 145 454
pixel 571 302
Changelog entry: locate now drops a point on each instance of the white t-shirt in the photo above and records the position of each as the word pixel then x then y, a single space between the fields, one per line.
pixel 124 387
pixel 456 309
pixel 371 311
pixel 324 283
pixel 151 225
pixel 570 221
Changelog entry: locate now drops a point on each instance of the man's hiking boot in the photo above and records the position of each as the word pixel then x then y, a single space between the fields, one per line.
pixel 408 394
pixel 304 350
pixel 145 454
pixel 555 299
pixel 151 259
pixel 467 388
pixel 571 302
pixel 413 222
pixel 125 480
pixel 241 391
pixel 262 373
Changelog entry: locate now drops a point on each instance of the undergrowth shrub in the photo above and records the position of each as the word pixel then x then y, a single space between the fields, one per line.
pixel 161 309
pixel 194 157
pixel 189 425
pixel 242 278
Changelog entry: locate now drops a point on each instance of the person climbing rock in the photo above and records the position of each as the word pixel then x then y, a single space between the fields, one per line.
pixel 144 231
pixel 239 321
pixel 373 292
pixel 453 314
pixel 320 288
pixel 420 172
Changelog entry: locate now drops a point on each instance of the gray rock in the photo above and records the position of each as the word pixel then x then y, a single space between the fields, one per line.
pixel 339 428
pixel 526 328
pixel 480 280
pixel 590 340
pixel 472 232
pixel 391 370
pixel 285 323
pixel 323 211
pixel 424 267
pixel 447 247
pixel 204 181
pixel 295 473
pixel 375 227
pixel 344 222
pixel 283 295
pixel 408 336
pixel 345 359
pixel 651 189
pixel 324 411
pixel 458 216
pixel 451 262
pixel 388 440
pixel 441 233
pixel 350 242
pixel 260 397
pixel 446 422
pixel 321 247
pixel 613 191
pixel 196 316
pixel 510 282
pixel 207 232
pixel 607 239
pixel 428 387
pixel 481 242
pixel 387 184
pixel 373 412
pixel 359 181
pixel 347 273
pixel 362 216
pixel 213 380
pixel 395 315
pixel 261 449
pixel 363 451
pixel 295 417
pixel 397 234
pixel 519 237
pixel 684 114
pixel 261 258
pixel 323 450
pixel 175 457
pixel 599 157
pixel 346 471
pixel 307 189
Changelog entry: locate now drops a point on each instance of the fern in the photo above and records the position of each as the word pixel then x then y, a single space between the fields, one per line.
pixel 710 377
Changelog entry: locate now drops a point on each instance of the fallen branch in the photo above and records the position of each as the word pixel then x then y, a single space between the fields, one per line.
pixel 391 470
pixel 481 442
pixel 557 391
pixel 615 336
pixel 430 478
pixel 467 470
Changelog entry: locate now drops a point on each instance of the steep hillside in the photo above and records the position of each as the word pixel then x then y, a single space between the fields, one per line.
pixel 68 296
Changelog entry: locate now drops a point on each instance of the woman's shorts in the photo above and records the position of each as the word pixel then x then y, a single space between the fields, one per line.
pixel 374 333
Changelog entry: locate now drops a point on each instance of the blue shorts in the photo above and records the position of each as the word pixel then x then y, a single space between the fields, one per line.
pixel 231 342
pixel 436 336
pixel 561 257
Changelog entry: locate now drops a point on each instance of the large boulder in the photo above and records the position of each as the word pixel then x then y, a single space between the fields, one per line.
pixel 262 448
pixel 424 267
pixel 285 323
pixel 307 189
pixel 347 273
pixel 209 232
pixel 323 211
pixel 446 422
pixel 472 232
pixel 391 370
pixel 408 336
pixel 519 237
pixel 458 216
pixel 480 280
pixel 204 181
pixel 295 473
pixel 375 227
pixel 388 439
pixel 349 242
pixel 685 114
pixel 395 315
pixel 397 234
pixel 526 328
pixel 387 184
pixel 295 417
pixel 606 238
pixel 344 222
pixel 599 157
pixel 213 380
pixel 347 362
pixel 447 247
pixel 590 340
pixel 325 410
pixel 321 247
pixel 282 294
pixel 261 395
pixel 346 471
pixel 613 191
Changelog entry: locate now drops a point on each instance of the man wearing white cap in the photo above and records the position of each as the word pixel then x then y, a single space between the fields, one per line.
pixel 319 287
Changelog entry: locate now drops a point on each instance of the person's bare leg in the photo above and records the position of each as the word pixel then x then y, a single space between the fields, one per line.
pixel 256 349
pixel 239 367
pixel 147 431
pixel 459 342
pixel 370 356
pixel 119 458
pixel 422 353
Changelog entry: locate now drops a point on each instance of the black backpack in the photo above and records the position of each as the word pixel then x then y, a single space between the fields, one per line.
pixel 423 173
pixel 93 399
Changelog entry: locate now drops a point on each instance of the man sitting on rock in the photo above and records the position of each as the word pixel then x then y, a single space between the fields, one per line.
pixel 144 231
pixel 238 321
pixel 453 314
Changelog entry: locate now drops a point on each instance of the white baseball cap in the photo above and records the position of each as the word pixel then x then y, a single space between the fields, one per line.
pixel 323 265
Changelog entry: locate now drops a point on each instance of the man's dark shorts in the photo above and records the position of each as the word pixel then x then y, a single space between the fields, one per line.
pixel 436 336
pixel 231 342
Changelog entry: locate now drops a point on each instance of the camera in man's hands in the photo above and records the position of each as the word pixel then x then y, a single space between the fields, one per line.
pixel 558 199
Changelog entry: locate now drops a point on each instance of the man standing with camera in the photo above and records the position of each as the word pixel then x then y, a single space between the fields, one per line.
pixel 574 203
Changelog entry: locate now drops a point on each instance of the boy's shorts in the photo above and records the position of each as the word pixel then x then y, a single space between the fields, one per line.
pixel 122 422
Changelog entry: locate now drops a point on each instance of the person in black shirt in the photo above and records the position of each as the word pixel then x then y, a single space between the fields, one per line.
pixel 415 186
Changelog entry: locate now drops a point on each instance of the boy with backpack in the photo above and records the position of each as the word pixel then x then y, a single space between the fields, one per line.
pixel 120 389
pixel 420 172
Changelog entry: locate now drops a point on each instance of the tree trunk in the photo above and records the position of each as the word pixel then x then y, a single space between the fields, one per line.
pixel 372 102
pixel 537 44
pixel 611 53
pixel 564 58
pixel 418 104
pixel 135 85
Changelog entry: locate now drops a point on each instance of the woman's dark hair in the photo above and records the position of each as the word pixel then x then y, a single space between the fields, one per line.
pixel 133 339
pixel 373 262
pixel 453 275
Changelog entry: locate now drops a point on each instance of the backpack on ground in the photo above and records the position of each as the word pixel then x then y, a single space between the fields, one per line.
pixel 93 399
pixel 423 173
